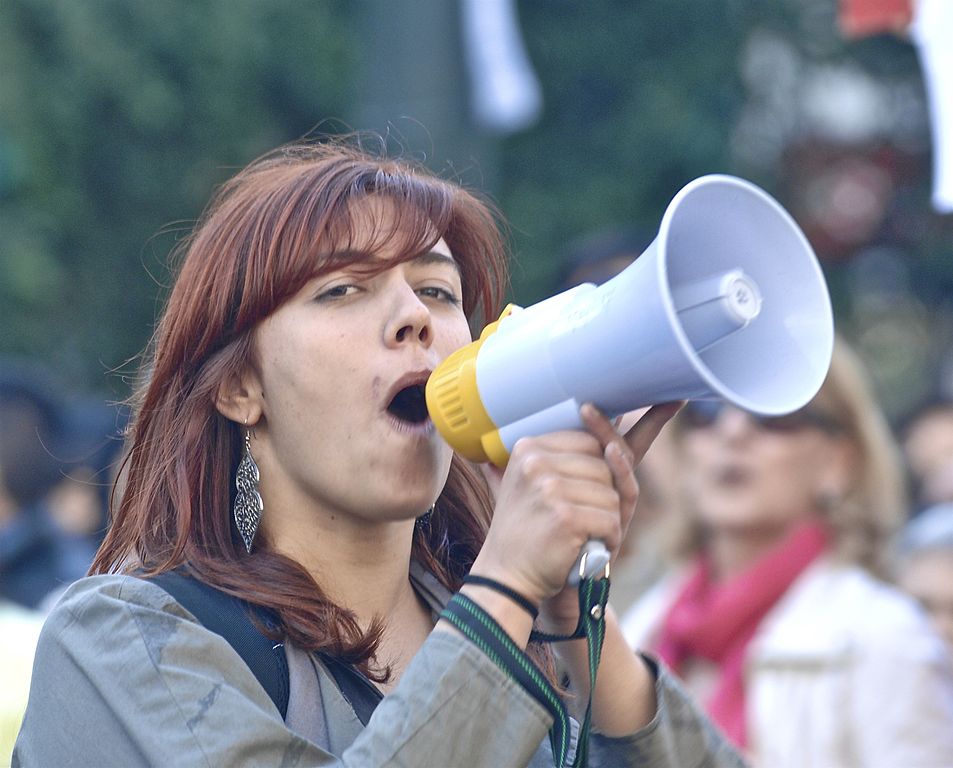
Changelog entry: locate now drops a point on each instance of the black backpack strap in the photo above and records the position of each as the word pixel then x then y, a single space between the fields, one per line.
pixel 358 691
pixel 231 618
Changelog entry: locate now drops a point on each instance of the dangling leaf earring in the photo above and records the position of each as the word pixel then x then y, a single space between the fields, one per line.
pixel 248 504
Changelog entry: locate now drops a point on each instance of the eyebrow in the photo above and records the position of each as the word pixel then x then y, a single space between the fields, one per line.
pixel 350 257
pixel 435 257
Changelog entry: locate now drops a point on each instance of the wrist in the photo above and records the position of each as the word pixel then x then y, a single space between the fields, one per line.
pixel 512 618
pixel 497 586
pixel 490 568
pixel 561 622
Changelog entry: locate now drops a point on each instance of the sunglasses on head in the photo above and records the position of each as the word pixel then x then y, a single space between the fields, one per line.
pixel 699 414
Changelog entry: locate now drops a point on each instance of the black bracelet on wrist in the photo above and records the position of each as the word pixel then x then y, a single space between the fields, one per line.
pixel 524 602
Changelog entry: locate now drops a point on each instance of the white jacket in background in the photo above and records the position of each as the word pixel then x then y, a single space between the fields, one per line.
pixel 845 672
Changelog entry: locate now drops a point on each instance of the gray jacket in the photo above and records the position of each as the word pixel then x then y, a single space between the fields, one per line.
pixel 125 676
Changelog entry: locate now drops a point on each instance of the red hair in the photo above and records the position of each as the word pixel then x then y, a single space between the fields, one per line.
pixel 268 231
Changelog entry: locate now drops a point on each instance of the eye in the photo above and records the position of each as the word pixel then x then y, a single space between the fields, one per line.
pixel 440 294
pixel 337 292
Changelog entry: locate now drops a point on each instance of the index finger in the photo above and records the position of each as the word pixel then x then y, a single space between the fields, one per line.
pixel 643 434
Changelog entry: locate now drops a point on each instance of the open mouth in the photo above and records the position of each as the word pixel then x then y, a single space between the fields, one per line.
pixel 410 405
pixel 732 476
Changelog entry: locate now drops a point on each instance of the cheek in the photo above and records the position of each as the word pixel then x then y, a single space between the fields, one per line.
pixel 694 462
pixel 300 365
pixel 452 335
pixel 793 482
pixel 812 460
pixel 699 450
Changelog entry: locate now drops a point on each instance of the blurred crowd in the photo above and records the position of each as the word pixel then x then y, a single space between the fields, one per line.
pixel 796 572
pixel 57 461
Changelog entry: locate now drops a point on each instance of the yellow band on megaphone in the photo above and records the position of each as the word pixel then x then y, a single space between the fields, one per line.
pixel 454 404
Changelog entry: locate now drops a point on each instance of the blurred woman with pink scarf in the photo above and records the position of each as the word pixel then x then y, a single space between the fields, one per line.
pixel 777 619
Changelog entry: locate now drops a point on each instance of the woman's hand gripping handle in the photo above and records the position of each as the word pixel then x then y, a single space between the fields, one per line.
pixel 564 501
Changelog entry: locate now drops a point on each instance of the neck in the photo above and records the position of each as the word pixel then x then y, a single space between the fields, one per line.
pixel 733 550
pixel 358 564
pixel 362 566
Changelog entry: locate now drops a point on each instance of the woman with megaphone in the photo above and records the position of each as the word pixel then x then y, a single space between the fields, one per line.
pixel 777 620
pixel 299 570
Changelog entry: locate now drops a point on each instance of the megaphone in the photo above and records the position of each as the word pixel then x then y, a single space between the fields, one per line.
pixel 728 302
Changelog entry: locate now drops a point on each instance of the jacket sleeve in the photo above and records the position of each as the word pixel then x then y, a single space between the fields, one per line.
pixel 124 676
pixel 902 699
pixel 679 735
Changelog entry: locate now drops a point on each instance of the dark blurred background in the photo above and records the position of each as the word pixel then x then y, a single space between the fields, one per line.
pixel 118 118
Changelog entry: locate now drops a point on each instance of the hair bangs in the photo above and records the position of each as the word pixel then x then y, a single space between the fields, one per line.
pixel 379 232
pixel 350 209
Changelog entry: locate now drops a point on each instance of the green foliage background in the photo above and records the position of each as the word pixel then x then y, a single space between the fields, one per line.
pixel 640 99
pixel 119 117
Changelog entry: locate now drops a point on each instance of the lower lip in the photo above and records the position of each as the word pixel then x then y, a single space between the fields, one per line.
pixel 732 477
pixel 418 429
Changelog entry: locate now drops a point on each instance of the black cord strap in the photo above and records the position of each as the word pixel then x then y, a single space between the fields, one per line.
pixel 524 602
pixel 592 606
pixel 593 596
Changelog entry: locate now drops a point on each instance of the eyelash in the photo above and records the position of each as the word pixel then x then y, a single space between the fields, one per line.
pixel 433 292
pixel 440 294
pixel 335 292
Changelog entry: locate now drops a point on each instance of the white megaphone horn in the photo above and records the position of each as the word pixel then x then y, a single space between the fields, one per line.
pixel 727 302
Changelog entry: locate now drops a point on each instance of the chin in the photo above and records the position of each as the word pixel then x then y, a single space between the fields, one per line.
pixel 730 517
pixel 405 506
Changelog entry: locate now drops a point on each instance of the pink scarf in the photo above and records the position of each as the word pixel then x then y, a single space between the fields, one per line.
pixel 717 621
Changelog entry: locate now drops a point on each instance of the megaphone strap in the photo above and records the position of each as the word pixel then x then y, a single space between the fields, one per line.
pixel 593 596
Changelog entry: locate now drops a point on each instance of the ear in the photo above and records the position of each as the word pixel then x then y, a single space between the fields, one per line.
pixel 239 398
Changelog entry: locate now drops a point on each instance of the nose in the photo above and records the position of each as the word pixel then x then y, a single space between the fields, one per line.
pixel 733 423
pixel 410 322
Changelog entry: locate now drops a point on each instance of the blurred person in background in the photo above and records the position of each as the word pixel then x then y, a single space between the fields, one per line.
pixel 779 621
pixel 282 465
pixel 924 565
pixel 599 256
pixel 19 631
pixel 927 442
pixel 89 450
pixel 37 558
